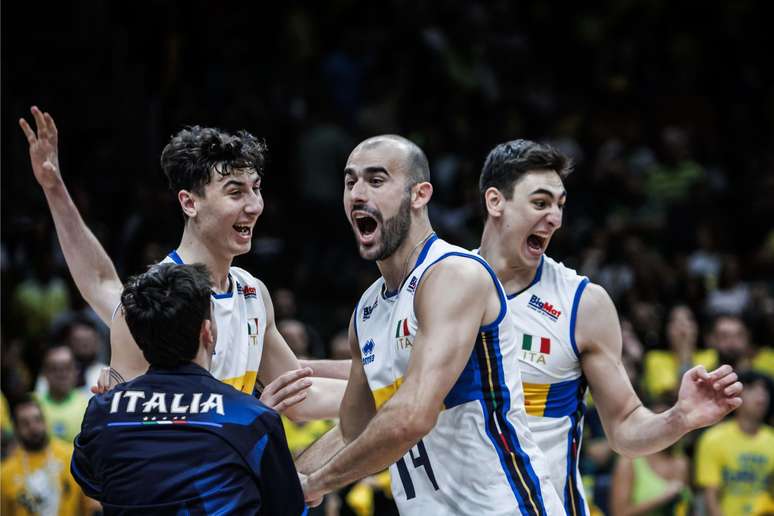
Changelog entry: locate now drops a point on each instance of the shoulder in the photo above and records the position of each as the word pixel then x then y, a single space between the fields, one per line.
pixel 597 319
pixel 462 271
pixel 245 278
pixel 596 298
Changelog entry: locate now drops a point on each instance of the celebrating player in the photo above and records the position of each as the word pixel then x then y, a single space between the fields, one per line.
pixel 216 177
pixel 434 388
pixel 568 330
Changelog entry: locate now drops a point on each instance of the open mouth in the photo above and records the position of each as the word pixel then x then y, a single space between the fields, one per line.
pixel 243 230
pixel 536 243
pixel 366 224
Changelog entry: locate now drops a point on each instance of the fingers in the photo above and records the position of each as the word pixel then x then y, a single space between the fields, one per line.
pixel 28 132
pixel 734 390
pixel 734 403
pixel 725 381
pixel 698 373
pixel 292 389
pixel 287 378
pixel 40 122
pixel 51 126
pixel 285 404
pixel 721 372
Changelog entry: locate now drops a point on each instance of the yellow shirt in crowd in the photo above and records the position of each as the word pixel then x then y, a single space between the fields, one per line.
pixel 64 418
pixel 41 483
pixel 737 464
pixel 662 372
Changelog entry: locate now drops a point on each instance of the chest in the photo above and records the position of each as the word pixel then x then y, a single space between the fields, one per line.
pixel 386 332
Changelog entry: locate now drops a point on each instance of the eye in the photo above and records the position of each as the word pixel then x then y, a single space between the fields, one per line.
pixel 257 188
pixel 349 182
pixel 539 204
pixel 376 181
pixel 235 193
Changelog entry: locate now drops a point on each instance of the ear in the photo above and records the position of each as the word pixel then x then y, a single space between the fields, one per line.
pixel 421 194
pixel 187 202
pixel 207 336
pixel 494 202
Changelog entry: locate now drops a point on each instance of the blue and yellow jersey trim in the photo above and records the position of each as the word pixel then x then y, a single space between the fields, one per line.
pixel 553 399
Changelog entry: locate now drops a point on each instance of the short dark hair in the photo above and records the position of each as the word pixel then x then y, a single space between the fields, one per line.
pixel 193 153
pixel 24 399
pixel 509 161
pixel 164 309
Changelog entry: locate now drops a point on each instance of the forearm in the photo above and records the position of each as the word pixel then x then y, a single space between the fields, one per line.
pixel 321 451
pixel 385 440
pixel 338 369
pixel 90 266
pixel 711 502
pixel 322 402
pixel 643 432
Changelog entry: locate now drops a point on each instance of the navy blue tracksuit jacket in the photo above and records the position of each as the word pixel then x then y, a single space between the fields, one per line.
pixel 181 442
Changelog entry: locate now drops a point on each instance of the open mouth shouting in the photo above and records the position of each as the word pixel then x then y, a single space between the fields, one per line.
pixel 366 223
pixel 536 245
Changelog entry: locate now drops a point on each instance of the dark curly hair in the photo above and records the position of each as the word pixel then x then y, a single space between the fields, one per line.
pixel 164 309
pixel 509 161
pixel 192 154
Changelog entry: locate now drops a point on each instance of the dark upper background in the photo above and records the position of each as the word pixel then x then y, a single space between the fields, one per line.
pixel 667 111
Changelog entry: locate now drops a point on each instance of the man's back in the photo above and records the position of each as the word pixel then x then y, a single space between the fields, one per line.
pixel 179 439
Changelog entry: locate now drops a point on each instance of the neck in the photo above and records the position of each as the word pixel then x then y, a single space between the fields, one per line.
pixel 747 425
pixel 193 250
pixel 395 267
pixel 514 274
pixel 203 358
pixel 58 396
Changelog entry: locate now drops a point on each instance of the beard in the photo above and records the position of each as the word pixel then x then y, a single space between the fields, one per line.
pixel 33 443
pixel 394 232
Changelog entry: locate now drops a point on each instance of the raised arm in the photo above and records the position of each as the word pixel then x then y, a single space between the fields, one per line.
pixel 433 368
pixel 633 430
pixel 324 396
pixel 91 267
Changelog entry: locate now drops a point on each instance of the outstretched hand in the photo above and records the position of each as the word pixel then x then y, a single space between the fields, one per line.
pixel 705 398
pixel 44 148
pixel 287 390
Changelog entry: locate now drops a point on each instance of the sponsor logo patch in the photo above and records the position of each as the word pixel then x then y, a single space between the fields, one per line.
pixel 544 307
pixel 368 352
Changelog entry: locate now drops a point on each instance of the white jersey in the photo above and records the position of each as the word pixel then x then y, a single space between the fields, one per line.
pixel 545 314
pixel 240 316
pixel 480 457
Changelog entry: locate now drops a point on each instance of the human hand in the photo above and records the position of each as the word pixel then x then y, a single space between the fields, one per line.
pixel 103 382
pixel 312 496
pixel 44 148
pixel 287 390
pixel 705 398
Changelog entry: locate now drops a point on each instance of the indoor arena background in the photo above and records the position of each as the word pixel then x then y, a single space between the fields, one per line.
pixel 667 111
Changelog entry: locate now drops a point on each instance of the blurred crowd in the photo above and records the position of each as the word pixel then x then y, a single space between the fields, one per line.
pixel 668 118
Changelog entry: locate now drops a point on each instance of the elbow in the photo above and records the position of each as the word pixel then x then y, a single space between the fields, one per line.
pixel 413 425
pixel 622 449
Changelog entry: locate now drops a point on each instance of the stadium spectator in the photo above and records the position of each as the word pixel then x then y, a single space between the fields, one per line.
pixel 36 475
pixel 734 459
pixel 62 403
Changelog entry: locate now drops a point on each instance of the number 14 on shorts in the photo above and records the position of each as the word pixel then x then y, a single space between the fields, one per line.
pixel 419 458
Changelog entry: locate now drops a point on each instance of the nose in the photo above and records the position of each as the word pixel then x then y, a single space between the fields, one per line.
pixel 359 192
pixel 555 217
pixel 254 205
